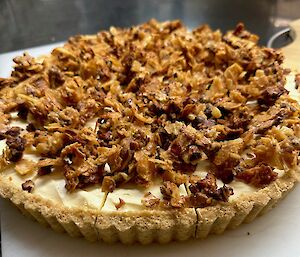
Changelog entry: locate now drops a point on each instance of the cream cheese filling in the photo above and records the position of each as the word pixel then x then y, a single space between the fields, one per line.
pixel 52 186
pixel 133 196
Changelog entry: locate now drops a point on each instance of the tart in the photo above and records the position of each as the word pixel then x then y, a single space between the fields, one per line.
pixel 151 133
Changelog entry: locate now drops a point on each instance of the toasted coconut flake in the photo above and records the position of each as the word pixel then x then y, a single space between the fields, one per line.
pixel 150 201
pixel 25 166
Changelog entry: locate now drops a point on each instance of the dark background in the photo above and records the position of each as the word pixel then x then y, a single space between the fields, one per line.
pixel 27 23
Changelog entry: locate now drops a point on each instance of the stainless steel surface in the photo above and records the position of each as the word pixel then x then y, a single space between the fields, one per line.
pixel 281 38
pixel 27 23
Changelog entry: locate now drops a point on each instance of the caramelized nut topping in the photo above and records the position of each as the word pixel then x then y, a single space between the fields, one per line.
pixel 28 186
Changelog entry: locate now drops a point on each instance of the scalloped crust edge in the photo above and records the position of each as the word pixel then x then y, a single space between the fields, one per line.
pixel 216 219
pixel 147 226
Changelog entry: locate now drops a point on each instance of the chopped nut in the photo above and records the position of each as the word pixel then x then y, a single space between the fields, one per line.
pixel 108 184
pixel 45 170
pixel 120 204
pixel 170 192
pixel 16 147
pixel 28 186
pixel 258 176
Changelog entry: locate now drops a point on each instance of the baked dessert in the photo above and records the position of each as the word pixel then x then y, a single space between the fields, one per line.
pixel 152 133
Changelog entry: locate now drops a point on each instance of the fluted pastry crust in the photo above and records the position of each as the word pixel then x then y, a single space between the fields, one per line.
pixel 146 226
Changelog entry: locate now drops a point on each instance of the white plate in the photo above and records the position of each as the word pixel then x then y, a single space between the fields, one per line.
pixel 275 234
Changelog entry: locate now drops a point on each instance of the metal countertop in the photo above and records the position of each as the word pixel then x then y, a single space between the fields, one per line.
pixel 28 23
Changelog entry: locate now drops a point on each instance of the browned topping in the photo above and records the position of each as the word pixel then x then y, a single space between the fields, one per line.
pixel 25 67
pixel 170 192
pixel 259 176
pixel 45 170
pixel 108 184
pixel 15 143
pixel 165 99
pixel 120 204
pixel 150 200
pixel 208 187
pixel 270 95
pixel 28 186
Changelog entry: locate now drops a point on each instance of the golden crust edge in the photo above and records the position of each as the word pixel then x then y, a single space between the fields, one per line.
pixel 217 219
pixel 143 226
pixel 146 226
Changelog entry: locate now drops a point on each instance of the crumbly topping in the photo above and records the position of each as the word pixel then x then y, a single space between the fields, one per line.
pixel 28 186
pixel 120 204
pixel 165 99
pixel 15 143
